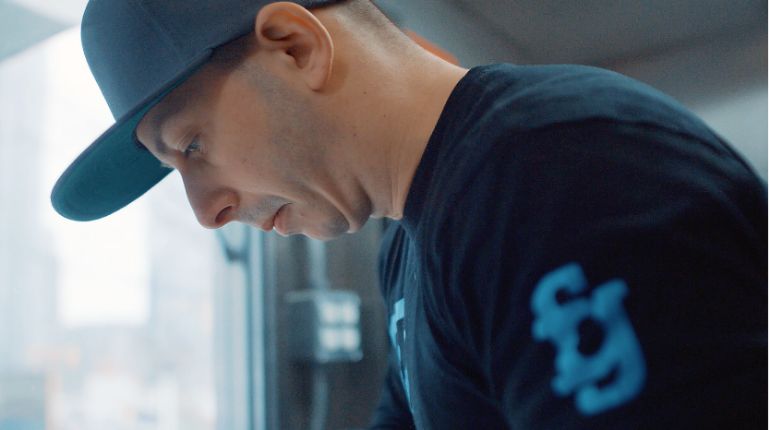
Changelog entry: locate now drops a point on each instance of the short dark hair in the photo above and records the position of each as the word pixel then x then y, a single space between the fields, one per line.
pixel 231 54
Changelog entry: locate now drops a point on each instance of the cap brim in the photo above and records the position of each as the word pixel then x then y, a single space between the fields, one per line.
pixel 114 170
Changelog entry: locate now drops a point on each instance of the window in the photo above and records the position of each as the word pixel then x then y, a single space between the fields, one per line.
pixel 103 325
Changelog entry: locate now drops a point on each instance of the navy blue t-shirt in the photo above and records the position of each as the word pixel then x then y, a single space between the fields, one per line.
pixel 578 251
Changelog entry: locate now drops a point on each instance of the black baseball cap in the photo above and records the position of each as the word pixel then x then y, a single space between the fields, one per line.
pixel 139 51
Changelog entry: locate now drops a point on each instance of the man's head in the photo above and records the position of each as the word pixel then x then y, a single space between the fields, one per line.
pixel 311 121
pixel 257 128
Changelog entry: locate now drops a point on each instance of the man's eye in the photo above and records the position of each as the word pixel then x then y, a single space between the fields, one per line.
pixel 194 146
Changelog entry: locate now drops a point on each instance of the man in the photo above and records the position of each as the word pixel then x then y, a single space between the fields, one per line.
pixel 573 248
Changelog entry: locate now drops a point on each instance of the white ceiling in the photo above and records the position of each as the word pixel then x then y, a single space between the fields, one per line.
pixel 599 31
pixel 64 11
pixel 539 31
pixel 21 28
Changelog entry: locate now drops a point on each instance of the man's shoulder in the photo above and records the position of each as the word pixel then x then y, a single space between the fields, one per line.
pixel 517 113
pixel 522 97
pixel 529 177
pixel 524 128
pixel 500 102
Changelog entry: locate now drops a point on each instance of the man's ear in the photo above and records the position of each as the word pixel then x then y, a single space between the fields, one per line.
pixel 299 40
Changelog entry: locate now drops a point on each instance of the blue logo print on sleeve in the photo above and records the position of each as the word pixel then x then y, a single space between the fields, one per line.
pixel 397 333
pixel 620 351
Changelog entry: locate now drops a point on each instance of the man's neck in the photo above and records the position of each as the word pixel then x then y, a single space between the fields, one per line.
pixel 402 127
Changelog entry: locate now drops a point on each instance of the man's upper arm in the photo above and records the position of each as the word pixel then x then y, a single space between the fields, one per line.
pixel 609 272
pixel 392 412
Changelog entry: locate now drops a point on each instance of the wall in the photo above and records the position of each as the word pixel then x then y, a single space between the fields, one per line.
pixel 722 78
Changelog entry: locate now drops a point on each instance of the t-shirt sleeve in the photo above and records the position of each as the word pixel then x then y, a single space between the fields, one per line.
pixel 392 412
pixel 611 273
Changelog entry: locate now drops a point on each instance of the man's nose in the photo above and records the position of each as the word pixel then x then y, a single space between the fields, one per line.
pixel 214 206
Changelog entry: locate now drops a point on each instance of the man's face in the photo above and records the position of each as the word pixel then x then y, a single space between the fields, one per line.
pixel 248 148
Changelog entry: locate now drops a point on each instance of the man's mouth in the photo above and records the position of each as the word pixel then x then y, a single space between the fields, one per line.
pixel 270 223
pixel 282 228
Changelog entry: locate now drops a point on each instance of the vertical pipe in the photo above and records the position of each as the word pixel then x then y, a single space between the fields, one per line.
pixel 316 251
pixel 319 280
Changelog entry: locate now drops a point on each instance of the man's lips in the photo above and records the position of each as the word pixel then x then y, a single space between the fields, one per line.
pixel 270 223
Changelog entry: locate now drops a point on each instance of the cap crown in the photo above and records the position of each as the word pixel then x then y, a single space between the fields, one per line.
pixel 136 48
pixel 138 51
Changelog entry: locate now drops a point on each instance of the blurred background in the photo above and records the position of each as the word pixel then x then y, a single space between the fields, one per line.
pixel 144 320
